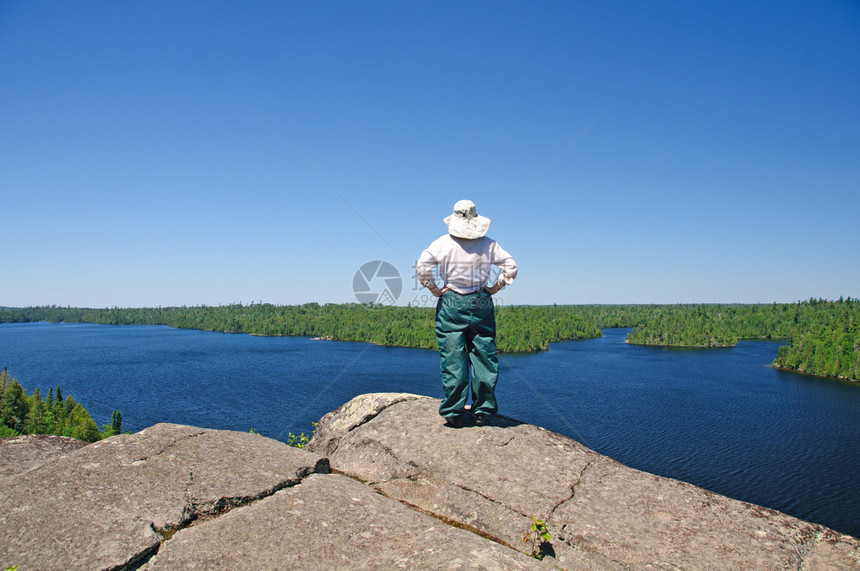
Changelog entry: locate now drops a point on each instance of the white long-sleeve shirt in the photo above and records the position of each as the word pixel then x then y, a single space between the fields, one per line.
pixel 464 265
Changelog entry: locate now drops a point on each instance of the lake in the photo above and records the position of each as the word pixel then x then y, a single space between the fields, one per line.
pixel 722 419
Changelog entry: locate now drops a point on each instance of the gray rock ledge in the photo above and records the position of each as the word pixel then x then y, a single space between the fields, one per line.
pixel 332 522
pixel 406 493
pixel 601 514
pixel 107 505
pixel 23 453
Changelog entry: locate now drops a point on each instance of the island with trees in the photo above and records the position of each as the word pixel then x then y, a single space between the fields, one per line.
pixel 823 337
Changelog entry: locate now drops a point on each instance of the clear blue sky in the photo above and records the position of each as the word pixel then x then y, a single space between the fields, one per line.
pixel 689 152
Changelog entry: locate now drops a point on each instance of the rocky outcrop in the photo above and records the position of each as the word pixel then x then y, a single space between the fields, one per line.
pixel 332 522
pixel 23 453
pixel 600 513
pixel 109 505
pixel 403 491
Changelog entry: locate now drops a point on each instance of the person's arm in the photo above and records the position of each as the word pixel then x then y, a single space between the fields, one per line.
pixel 424 270
pixel 504 260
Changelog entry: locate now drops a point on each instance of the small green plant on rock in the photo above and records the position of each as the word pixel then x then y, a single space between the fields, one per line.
pixel 300 440
pixel 297 440
pixel 539 539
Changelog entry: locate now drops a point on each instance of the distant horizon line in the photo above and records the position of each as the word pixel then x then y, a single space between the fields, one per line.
pixel 320 303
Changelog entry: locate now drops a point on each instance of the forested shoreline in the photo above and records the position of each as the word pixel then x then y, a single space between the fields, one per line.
pixel 823 336
pixel 21 413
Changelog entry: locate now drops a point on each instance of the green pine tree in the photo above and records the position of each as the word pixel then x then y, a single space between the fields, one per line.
pixel 14 408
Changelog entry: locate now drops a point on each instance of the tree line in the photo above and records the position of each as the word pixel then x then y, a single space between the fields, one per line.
pixel 826 340
pixel 21 413
pixel 521 328
pixel 822 335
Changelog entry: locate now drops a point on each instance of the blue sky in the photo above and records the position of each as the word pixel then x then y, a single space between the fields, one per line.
pixel 627 152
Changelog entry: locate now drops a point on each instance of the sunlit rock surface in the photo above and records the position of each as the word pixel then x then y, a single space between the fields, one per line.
pixel 383 484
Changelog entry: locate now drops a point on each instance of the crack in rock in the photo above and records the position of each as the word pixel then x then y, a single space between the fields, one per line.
pixel 188 486
pixel 196 513
pixel 570 540
pixel 336 425
pixel 489 499
pixel 138 559
pixel 449 521
pixel 413 468
pixel 572 490
pixel 506 442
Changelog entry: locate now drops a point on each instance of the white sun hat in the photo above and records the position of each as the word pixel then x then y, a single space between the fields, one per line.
pixel 465 221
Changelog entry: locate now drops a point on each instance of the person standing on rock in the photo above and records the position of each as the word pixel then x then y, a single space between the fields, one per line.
pixel 465 315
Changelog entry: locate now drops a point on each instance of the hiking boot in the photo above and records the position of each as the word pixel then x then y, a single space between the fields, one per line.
pixel 454 421
pixel 480 419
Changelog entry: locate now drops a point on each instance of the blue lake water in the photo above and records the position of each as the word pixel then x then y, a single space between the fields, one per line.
pixel 722 419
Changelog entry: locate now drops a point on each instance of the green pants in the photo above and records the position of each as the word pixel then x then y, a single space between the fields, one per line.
pixel 466 333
